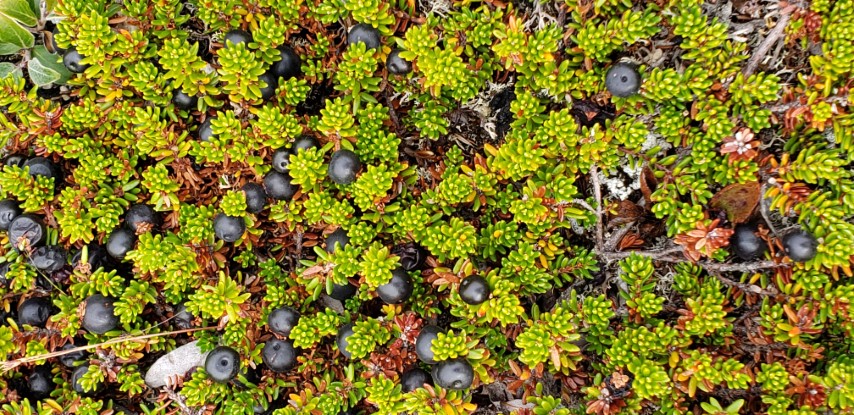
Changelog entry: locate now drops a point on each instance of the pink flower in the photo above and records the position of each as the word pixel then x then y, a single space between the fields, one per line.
pixel 742 146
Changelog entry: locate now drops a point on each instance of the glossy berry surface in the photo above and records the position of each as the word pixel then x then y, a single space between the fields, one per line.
pixel 414 378
pixel 237 36
pixel 474 290
pixel 71 59
pixel 77 377
pixel 454 374
pixel 424 342
pixel 49 258
pixel 120 242
pixel 288 66
pixel 343 292
pixel 27 230
pixel 271 82
pixel 282 320
pixel 183 101
pixel 622 80
pixel 70 360
pixel 397 65
pixel 343 167
pixel 800 246
pixel 746 244
pixel 206 130
pixel 182 318
pixel 256 197
pixel 41 166
pixel 304 142
pixel 337 239
pixel 279 355
pixel 412 256
pixel 40 382
pixel 35 311
pixel 398 289
pixel 342 340
pixel 99 315
pixel 281 160
pixel 9 210
pixel 142 218
pixel 364 33
pixel 228 228
pixel 222 364
pixel 279 186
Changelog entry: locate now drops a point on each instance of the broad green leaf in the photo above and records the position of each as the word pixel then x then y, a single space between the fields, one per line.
pixel 52 61
pixel 13 37
pixel 40 74
pixel 20 11
pixel 7 68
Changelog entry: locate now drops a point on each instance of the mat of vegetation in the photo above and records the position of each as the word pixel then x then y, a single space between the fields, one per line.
pixel 426 207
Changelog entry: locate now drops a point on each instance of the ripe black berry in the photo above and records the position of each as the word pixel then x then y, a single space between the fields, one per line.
pixel 412 256
pixel 228 228
pixel 70 360
pixel 256 197
pixel 183 101
pixel 337 239
pixel 237 36
pixel 26 230
pixel 343 292
pixel 181 318
pixel 279 186
pixel 76 383
pixel 398 289
pixel 364 33
pixel 96 256
pixel 344 333
pixel 71 59
pixel 222 364
pixel 142 218
pixel 9 210
pixel 344 166
pixel 271 82
pixel 41 166
pixel 282 320
pixel 99 316
pixel 206 130
pixel 424 342
pixel 40 382
pixel 745 244
pixel 453 374
pixel 279 355
pixel 49 258
pixel 281 160
pixel 397 65
pixel 622 80
pixel 14 160
pixel 474 290
pixel 120 242
pixel 304 142
pixel 289 64
pixel 800 246
pixel 414 378
pixel 35 311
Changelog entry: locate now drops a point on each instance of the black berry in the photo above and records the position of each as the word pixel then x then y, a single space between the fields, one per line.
pixel 99 316
pixel 279 355
pixel 41 166
pixel 474 290
pixel 304 142
pixel 9 210
pixel 26 230
pixel 183 101
pixel 337 239
pixel 256 197
pixel 142 218
pixel 206 130
pixel 77 384
pixel 14 160
pixel 454 374
pixel 279 186
pixel 120 242
pixel 281 160
pixel 222 364
pixel 364 33
pixel 71 59
pixel 343 292
pixel 96 256
pixel 228 228
pixel 397 65
pixel 800 246
pixel 344 166
pixel 49 258
pixel 344 333
pixel 745 244
pixel 622 80
pixel 414 378
pixel 412 256
pixel 181 318
pixel 237 36
pixel 271 82
pixel 282 320
pixel 35 311
pixel 424 342
pixel 398 289
pixel 40 382
pixel 70 360
pixel 289 64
